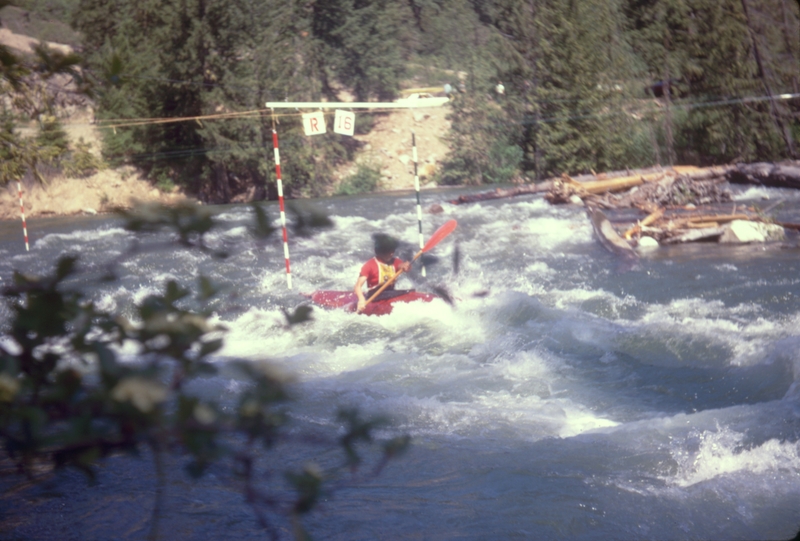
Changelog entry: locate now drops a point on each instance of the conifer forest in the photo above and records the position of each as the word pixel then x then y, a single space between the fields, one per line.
pixel 589 85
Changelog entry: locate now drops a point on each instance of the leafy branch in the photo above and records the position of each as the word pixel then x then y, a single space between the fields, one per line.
pixel 67 399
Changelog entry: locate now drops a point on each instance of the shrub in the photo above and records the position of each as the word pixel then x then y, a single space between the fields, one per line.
pixel 52 137
pixel 364 180
pixel 68 400
pixel 81 162
pixel 481 143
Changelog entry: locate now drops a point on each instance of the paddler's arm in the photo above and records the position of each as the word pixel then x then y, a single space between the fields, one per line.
pixel 358 290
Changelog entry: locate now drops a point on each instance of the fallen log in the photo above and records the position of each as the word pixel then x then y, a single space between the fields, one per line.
pixel 614 184
pixel 701 225
pixel 655 215
pixel 705 173
pixel 677 185
pixel 719 218
pixel 657 183
pixel 780 175
pixel 630 181
pixel 500 193
pixel 694 235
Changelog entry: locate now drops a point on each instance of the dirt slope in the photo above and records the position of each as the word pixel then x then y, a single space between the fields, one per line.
pixel 388 147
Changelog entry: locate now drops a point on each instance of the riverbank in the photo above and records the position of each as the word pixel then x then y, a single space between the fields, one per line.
pixel 102 192
pixel 387 148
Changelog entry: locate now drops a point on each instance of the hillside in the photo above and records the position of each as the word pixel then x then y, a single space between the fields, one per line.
pixel 388 147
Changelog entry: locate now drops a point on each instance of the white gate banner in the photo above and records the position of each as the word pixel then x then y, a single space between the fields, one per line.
pixel 344 122
pixel 314 123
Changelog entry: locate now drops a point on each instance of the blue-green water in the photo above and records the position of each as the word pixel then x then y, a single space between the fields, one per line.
pixel 561 397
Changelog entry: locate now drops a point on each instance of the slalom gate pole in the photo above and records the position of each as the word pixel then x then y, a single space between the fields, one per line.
pixel 280 202
pixel 416 188
pixel 22 212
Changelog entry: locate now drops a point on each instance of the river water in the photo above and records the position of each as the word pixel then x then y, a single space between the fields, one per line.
pixel 561 396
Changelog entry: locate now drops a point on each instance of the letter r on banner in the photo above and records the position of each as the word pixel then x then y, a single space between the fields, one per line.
pixel 344 122
pixel 314 123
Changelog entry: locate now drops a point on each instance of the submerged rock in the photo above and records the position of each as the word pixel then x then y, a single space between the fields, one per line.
pixel 744 232
pixel 647 243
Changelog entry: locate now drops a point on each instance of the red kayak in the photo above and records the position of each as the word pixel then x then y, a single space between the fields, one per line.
pixel 379 307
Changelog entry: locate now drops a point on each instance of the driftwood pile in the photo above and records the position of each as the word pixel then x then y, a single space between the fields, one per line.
pixel 684 204
pixel 698 180
pixel 678 186
pixel 676 205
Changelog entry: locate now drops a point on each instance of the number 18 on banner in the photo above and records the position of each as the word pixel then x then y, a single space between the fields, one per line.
pixel 344 122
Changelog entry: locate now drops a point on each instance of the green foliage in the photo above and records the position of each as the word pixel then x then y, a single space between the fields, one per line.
pixel 448 32
pixel 205 58
pixel 19 155
pixel 52 136
pixel 575 75
pixel 12 162
pixel 504 160
pixel 711 52
pixel 26 85
pixel 82 162
pixel 364 180
pixel 68 400
pixel 163 182
pixel 481 142
pixel 12 71
pixel 360 38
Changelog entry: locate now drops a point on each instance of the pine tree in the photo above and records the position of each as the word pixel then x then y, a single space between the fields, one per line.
pixel 567 67
pixel 482 142
pixel 661 31
pixel 723 70
pixel 360 44
pixel 201 58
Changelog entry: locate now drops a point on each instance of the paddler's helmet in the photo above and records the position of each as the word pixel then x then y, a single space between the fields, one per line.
pixel 384 244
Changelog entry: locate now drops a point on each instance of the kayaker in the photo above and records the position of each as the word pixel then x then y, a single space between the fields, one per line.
pixel 380 269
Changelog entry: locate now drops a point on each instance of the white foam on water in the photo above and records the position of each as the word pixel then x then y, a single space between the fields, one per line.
pixel 238 233
pixel 436 315
pixel 145 291
pixel 10 345
pixel 767 195
pixel 571 298
pixel 84 236
pixel 741 329
pixel 511 397
pixel 257 334
pixel 722 453
pixel 233 215
pixel 533 417
pixel 107 301
pixel 275 279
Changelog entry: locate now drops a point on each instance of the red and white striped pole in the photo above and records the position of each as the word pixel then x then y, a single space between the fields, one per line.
pixel 22 212
pixel 280 202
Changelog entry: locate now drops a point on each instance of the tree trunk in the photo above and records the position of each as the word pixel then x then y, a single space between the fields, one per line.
pixel 784 175
pixel 222 182
pixel 260 193
pixel 782 128
pixel 668 118
pixel 786 30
